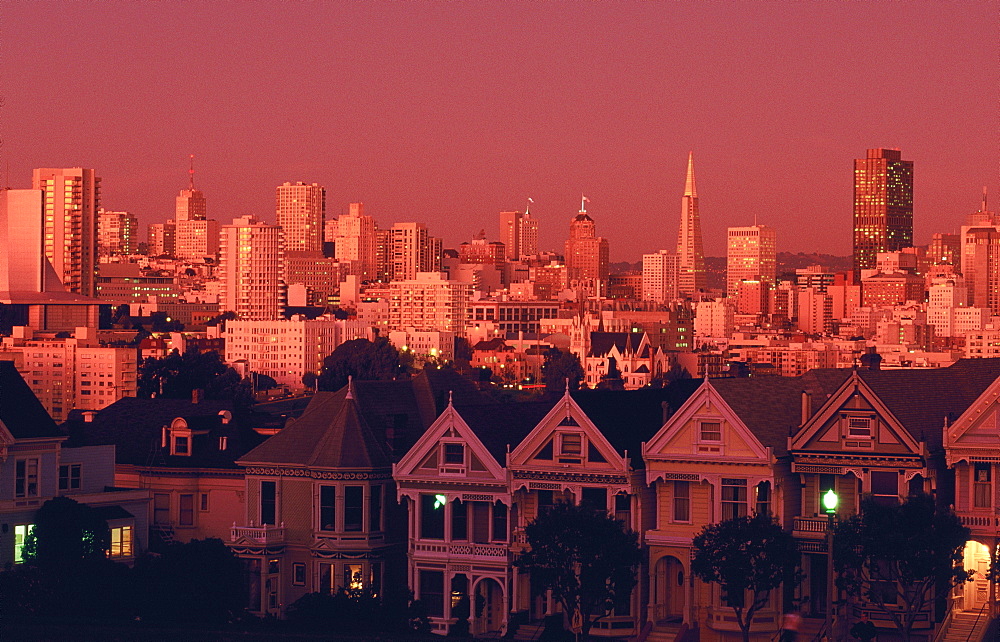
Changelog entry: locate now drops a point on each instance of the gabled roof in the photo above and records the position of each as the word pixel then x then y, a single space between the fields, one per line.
pixel 627 418
pixel 498 426
pixel 20 410
pixel 770 407
pixel 601 343
pixel 922 399
pixel 331 433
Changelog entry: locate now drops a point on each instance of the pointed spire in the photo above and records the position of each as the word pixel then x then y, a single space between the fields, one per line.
pixel 350 387
pixel 984 200
pixel 450 399
pixel 689 189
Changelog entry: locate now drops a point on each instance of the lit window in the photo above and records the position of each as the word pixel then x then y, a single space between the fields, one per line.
pixel 21 532
pixel 121 542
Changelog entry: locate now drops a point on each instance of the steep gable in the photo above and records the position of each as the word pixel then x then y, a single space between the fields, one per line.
pixel 450 450
pixel 977 431
pixel 706 428
pixel 856 420
pixel 567 439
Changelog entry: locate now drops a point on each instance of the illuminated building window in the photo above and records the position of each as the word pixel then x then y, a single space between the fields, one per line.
pixel 21 532
pixel 121 541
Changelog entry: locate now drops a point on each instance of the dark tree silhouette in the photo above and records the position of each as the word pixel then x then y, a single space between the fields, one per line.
pixel 66 532
pixel 559 366
pixel 897 556
pixel 362 359
pixel 746 555
pixel 586 558
pixel 176 376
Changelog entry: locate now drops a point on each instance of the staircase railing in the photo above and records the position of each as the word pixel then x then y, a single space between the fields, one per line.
pixel 976 623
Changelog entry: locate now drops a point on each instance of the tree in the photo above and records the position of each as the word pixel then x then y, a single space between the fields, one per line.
pixel 750 554
pixel 176 376
pixel 559 366
pixel 586 558
pixel 66 532
pixel 362 359
pixel 895 557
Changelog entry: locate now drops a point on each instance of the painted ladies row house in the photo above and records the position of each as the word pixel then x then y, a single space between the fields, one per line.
pixel 386 485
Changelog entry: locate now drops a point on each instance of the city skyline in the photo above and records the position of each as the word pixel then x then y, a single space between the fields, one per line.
pixel 450 114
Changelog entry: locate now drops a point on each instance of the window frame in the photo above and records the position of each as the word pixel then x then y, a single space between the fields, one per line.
pixel 678 500
pixel 73 477
pixel 26 477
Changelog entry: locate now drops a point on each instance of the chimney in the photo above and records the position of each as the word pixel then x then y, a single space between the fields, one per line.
pixel 665 409
pixel 88 416
pixel 197 395
pixel 807 406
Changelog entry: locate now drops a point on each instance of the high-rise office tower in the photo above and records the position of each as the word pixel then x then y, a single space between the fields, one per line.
pixel 300 211
pixel 690 251
pixel 117 233
pixel 252 263
pixel 750 256
pixel 519 234
pixel 196 237
pixel 355 241
pixel 883 206
pixel 413 250
pixel 72 197
pixel 980 256
pixel 659 277
pixel 586 253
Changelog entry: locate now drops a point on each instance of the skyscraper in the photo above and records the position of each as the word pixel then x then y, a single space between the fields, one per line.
pixel 300 211
pixel 195 235
pixel 690 251
pixel 355 240
pixel 519 234
pixel 252 265
pixel 72 197
pixel 750 256
pixel 413 250
pixel 586 253
pixel 117 233
pixel 883 206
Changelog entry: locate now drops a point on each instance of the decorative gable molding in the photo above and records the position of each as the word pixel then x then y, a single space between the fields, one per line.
pixel 854 433
pixel 555 438
pixel 689 435
pixel 450 429
pixel 974 436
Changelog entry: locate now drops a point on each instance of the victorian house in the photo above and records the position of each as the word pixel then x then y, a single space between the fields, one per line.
pixel 722 454
pixel 880 435
pixel 318 496
pixel 181 451
pixel 628 355
pixel 454 484
pixel 567 458
pixel 37 465
pixel 971 442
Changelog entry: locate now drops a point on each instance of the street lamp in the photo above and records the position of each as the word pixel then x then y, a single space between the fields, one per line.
pixel 830 501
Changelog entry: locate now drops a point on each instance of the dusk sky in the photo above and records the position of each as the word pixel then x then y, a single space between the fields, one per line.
pixel 448 113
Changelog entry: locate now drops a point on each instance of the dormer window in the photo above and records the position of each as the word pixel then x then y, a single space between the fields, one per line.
pixel 181 445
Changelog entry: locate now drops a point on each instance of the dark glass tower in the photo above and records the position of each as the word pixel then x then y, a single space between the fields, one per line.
pixel 883 206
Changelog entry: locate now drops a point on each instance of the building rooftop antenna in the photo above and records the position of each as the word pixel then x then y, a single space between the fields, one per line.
pixel 191 174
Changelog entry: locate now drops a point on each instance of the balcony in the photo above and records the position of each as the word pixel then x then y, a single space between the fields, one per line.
pixel 265 535
pixel 496 551
pixel 979 520
pixel 809 527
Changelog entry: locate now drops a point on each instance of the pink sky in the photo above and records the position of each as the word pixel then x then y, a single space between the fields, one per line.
pixel 447 113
